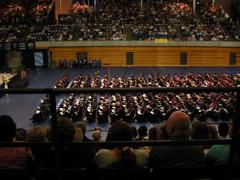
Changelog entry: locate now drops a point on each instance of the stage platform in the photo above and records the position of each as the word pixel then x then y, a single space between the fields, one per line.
pixel 15 81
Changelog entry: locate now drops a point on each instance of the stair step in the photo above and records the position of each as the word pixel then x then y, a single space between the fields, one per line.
pixel 76 33
pixel 179 31
pixel 26 33
pixel 128 32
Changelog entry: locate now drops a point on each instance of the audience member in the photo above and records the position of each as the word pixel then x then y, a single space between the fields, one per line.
pixel 48 133
pixel 152 134
pixel 200 131
pixel 83 127
pixel 162 132
pixel 142 133
pixel 96 134
pixel 36 134
pixel 135 133
pixel 14 157
pixel 213 131
pixel 69 157
pixel 178 128
pixel 218 154
pixel 223 129
pixel 78 135
pixel 120 156
pixel 20 134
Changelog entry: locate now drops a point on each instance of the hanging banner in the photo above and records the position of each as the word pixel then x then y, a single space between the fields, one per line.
pixel 161 41
pixel 38 58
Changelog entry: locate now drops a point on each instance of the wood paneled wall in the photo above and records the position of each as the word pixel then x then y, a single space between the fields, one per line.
pixel 150 56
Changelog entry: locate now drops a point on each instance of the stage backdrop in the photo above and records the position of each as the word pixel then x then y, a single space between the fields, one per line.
pixel 31 59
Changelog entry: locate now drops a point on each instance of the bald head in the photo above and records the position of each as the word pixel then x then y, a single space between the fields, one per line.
pixel 96 135
pixel 178 124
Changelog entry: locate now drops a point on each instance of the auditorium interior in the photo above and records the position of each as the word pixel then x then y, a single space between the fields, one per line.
pixel 117 44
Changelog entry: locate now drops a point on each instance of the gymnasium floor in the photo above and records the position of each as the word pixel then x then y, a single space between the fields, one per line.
pixel 22 107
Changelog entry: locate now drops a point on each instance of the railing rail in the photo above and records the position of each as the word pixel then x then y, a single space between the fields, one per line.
pixel 117 90
pixel 111 144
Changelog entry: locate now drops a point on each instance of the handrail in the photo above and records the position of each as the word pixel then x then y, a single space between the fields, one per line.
pixel 113 143
pixel 134 43
pixel 117 90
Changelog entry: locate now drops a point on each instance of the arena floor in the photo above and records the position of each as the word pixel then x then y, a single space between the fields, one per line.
pixel 22 107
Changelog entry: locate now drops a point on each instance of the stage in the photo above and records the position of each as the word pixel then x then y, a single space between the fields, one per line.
pixel 15 81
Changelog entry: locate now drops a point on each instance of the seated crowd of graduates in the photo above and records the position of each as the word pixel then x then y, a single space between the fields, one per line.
pixel 141 107
pixel 183 80
pixel 42 111
pixel 63 82
pixel 73 107
pixel 153 107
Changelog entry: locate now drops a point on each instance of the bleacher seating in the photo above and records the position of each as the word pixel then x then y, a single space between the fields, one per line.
pixel 64 174
pixel 140 173
pixel 186 173
pixel 220 172
pixel 108 22
pixel 15 173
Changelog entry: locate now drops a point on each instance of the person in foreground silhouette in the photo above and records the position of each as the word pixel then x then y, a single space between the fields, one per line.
pixel 178 126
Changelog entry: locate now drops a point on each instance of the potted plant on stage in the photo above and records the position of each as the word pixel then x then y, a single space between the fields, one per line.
pixel 20 70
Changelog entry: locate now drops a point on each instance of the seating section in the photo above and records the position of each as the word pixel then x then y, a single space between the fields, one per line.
pixel 193 172
pixel 35 21
pixel 220 172
pixel 140 173
pixel 64 174
pixel 51 32
pixel 158 31
pixel 14 173
pixel 234 28
pixel 203 106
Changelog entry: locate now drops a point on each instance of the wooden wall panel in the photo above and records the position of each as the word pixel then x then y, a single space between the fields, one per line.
pixel 109 58
pixel 144 58
pixel 238 59
pixel 150 56
pixel 202 58
pixel 168 58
